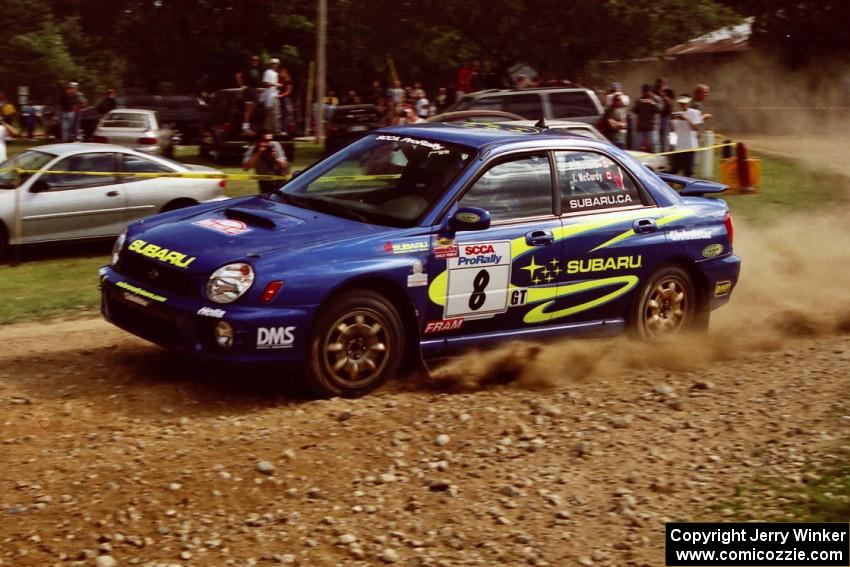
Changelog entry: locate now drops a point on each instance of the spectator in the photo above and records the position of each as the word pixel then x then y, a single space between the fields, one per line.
pixel 701 92
pixel 331 102
pixel 270 98
pixel 395 96
pixel 418 92
pixel 423 106
pixel 376 96
pixel 29 117
pixel 616 89
pixel 266 157
pixel 686 124
pixel 69 106
pixel 7 109
pixel 615 122
pixel 6 131
pixel 646 110
pixel 475 79
pixel 107 103
pixel 442 100
pixel 248 80
pixel 287 109
pixel 408 116
pixel 661 91
pixel 353 98
pixel 463 84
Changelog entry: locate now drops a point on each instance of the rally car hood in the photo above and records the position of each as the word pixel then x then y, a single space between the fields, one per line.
pixel 208 237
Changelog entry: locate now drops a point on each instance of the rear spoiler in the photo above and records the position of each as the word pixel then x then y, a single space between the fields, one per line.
pixel 689 187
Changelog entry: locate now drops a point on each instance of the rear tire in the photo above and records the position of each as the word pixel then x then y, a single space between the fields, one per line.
pixel 666 305
pixel 357 345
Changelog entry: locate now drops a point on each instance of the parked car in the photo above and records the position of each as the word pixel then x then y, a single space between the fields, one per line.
pixel 653 162
pixel 417 241
pixel 351 122
pixel 141 130
pixel 222 138
pixel 550 103
pixel 68 206
pixel 483 116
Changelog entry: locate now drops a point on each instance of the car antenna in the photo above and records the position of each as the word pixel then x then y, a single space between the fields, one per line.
pixel 541 123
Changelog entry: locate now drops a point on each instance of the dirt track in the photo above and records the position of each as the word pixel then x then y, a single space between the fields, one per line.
pixel 113 447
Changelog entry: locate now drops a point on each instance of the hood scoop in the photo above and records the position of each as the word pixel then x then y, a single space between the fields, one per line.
pixel 253 217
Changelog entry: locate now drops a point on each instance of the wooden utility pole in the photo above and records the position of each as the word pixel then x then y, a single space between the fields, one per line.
pixel 321 70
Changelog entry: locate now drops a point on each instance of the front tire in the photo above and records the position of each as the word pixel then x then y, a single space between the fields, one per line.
pixel 666 305
pixel 356 346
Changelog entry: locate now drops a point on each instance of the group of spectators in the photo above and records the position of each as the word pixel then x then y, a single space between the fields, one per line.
pixel 275 99
pixel 646 125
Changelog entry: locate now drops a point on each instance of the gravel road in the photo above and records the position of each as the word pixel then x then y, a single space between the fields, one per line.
pixel 113 452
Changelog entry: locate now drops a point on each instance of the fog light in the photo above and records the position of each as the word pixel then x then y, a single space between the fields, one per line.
pixel 223 334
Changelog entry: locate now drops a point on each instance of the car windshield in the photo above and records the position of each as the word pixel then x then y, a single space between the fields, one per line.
pixel 389 179
pixel 125 120
pixel 28 160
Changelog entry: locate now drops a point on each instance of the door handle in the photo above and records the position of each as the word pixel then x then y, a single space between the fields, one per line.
pixel 112 194
pixel 539 237
pixel 645 226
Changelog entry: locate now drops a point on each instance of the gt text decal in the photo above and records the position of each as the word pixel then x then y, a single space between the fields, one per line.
pixel 229 227
pixel 164 255
pixel 275 337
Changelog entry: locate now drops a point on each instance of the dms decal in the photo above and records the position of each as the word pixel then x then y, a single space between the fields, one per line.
pixel 229 227
pixel 275 337
pixel 164 255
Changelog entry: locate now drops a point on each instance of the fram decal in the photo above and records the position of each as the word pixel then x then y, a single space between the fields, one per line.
pixel 275 337
pixel 164 255
pixel 406 247
pixel 444 325
pixel 229 227
pixel 722 288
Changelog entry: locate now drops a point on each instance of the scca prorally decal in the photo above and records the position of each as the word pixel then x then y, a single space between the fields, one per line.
pixel 164 255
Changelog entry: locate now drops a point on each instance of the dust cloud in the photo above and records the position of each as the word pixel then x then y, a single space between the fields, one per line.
pixel 794 283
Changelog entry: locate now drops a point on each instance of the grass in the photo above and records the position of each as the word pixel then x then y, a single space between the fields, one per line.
pixel 47 285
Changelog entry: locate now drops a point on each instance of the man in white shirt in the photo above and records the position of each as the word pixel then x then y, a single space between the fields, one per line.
pixel 269 99
pixel 6 131
pixel 686 125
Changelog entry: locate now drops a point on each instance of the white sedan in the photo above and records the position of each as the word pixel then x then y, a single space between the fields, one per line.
pixel 66 205
pixel 139 129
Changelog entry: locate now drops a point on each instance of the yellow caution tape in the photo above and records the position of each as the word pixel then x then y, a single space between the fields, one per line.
pixel 176 174
pixel 358 177
pixel 703 148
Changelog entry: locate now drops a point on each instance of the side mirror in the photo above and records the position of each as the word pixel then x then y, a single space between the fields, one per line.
pixel 40 186
pixel 468 219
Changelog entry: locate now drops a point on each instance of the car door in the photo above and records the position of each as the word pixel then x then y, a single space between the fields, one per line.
pixel 479 279
pixel 74 205
pixel 146 195
pixel 609 226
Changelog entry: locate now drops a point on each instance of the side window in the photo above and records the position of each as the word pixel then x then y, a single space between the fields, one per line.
pixel 589 182
pixel 529 106
pixel 89 163
pixel 136 164
pixel 514 189
pixel 571 104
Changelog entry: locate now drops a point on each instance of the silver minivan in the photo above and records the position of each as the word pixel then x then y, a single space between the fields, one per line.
pixel 551 103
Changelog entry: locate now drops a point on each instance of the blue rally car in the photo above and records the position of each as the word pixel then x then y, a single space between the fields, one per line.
pixel 419 241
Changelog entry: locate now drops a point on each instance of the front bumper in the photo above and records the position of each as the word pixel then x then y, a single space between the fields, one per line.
pixel 263 334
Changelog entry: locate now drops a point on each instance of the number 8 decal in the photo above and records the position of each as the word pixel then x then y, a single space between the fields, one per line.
pixel 478 297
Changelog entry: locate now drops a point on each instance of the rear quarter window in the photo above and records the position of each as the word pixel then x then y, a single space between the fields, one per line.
pixel 590 182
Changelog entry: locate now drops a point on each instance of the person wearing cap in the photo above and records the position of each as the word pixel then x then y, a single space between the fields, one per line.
pixel 270 97
pixel 646 111
pixel 69 106
pixel 616 89
pixel 248 80
pixel 686 125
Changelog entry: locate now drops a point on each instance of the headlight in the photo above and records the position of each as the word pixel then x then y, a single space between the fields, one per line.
pixel 230 282
pixel 119 244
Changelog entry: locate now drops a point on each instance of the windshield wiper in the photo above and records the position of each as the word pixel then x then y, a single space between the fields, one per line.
pixel 330 206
